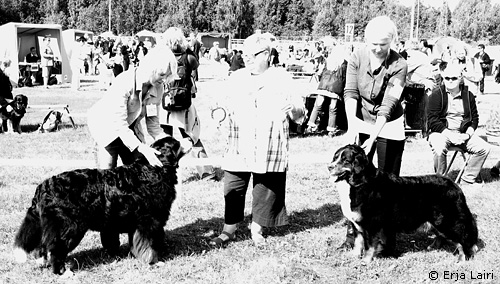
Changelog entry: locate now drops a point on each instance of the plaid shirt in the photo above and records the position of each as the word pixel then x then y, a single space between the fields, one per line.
pixel 258 128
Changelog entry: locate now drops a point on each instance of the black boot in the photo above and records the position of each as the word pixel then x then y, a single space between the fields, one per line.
pixel 349 238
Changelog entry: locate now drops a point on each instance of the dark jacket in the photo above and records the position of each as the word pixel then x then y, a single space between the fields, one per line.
pixel 437 109
pixel 237 62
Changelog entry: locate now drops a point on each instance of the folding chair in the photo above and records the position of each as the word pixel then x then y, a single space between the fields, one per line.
pixel 465 156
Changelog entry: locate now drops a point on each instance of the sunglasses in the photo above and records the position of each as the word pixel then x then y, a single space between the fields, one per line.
pixel 254 54
pixel 451 78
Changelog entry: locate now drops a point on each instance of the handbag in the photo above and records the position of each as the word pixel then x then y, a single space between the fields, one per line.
pixel 485 67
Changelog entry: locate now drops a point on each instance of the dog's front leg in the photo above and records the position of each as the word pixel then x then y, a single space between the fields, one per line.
pixel 17 127
pixel 10 126
pixel 359 241
pixel 371 242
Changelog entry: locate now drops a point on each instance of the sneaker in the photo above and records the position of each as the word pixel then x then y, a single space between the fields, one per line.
pixel 474 185
pixel 311 129
pixel 336 132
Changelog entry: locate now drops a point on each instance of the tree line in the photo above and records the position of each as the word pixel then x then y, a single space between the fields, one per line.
pixel 471 21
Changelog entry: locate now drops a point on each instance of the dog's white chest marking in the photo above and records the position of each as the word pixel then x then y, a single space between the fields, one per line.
pixel 20 255
pixel 343 189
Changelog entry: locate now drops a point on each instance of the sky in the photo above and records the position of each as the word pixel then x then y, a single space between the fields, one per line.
pixel 438 3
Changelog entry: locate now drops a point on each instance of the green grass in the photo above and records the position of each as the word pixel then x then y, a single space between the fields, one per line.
pixel 302 252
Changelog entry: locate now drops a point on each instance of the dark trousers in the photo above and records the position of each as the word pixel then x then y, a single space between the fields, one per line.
pixel 268 203
pixel 389 153
pixel 481 82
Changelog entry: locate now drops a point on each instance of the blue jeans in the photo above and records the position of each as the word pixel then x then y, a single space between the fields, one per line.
pixel 320 104
pixel 477 147
pixel 268 203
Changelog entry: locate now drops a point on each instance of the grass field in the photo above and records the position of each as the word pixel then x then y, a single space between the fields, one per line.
pixel 302 252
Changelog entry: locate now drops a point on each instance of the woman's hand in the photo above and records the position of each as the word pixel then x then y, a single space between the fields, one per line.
pixel 150 154
pixel 350 137
pixel 368 144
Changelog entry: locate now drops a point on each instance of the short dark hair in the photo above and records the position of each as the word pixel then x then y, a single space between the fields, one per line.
pixel 481 45
pixel 32 48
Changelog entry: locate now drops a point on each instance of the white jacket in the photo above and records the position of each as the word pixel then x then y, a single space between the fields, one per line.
pixel 112 116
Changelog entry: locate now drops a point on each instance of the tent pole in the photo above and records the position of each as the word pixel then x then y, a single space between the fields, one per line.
pixel 109 15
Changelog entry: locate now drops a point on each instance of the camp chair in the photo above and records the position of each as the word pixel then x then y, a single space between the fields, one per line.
pixel 466 157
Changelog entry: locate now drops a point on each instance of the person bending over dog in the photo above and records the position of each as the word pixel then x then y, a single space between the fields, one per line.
pixel 125 121
pixel 452 119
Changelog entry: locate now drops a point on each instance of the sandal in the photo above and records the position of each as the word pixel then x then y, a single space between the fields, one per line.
pixel 226 238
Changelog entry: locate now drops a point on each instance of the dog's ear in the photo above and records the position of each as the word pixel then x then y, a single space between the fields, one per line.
pixel 170 150
pixel 360 159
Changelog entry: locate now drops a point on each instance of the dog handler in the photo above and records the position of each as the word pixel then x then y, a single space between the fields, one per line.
pixel 375 79
pixel 125 121
pixel 260 100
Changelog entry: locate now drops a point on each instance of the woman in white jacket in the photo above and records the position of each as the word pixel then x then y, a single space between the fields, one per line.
pixel 125 121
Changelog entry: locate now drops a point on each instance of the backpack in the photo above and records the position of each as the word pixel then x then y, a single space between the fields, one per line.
pixel 178 96
pixel 51 121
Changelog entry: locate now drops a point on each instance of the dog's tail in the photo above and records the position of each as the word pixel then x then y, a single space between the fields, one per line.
pixel 29 236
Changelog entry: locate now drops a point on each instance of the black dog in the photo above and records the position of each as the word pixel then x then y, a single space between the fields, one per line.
pixel 134 199
pixel 379 205
pixel 12 113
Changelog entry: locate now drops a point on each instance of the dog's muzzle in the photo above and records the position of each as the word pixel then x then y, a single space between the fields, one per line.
pixel 338 173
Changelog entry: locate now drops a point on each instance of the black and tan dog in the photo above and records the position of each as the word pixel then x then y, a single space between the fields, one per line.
pixel 12 113
pixel 134 199
pixel 379 205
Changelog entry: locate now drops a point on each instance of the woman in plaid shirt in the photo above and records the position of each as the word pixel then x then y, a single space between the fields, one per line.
pixel 262 101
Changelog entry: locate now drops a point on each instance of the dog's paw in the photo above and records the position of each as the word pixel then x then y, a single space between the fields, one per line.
pixel 67 274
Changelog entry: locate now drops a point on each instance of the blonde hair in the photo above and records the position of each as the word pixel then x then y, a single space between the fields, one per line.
pixel 336 57
pixel 175 40
pixel 382 25
pixel 158 59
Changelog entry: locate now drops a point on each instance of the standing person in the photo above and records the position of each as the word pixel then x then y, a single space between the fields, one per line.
pixel 275 60
pixel 47 61
pixel 260 101
pixel 425 48
pixel 375 79
pixel 453 119
pixel 78 56
pixel 236 61
pixel 472 73
pixel 214 53
pixel 195 46
pixel 183 122
pixel 402 49
pixel 330 93
pixel 125 121
pixel 484 61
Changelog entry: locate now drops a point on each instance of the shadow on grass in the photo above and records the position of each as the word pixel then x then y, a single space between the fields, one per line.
pixel 485 175
pixel 29 128
pixel 421 241
pixel 193 238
